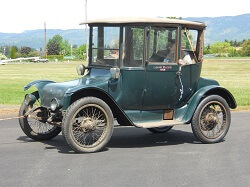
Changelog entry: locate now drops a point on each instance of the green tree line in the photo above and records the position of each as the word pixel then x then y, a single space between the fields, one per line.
pixel 55 47
pixel 58 46
pixel 229 48
pixel 15 52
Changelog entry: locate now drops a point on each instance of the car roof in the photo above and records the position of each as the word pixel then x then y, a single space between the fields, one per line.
pixel 144 20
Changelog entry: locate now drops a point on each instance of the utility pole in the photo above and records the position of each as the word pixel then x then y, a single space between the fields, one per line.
pixel 71 50
pixel 45 43
pixel 86 31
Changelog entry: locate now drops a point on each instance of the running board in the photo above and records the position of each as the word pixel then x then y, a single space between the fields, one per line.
pixel 162 123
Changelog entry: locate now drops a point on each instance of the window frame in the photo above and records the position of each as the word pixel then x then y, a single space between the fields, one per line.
pixel 144 46
pixel 146 43
pixel 91 48
pixel 176 28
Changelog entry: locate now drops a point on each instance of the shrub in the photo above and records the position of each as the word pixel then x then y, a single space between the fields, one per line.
pixel 2 57
pixel 54 57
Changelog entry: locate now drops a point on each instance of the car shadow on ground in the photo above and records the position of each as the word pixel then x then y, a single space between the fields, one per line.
pixel 55 143
pixel 126 137
pixel 130 137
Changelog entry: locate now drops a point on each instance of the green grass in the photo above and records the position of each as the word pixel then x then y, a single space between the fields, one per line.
pixel 233 74
pixel 13 77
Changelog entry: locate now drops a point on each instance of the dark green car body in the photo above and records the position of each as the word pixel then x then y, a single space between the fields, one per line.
pixel 143 94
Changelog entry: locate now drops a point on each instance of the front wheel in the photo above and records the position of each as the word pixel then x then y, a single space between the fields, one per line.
pixel 88 125
pixel 211 120
pixel 35 124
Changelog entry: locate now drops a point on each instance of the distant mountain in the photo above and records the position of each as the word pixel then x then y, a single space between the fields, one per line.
pixel 35 38
pixel 227 27
pixel 218 29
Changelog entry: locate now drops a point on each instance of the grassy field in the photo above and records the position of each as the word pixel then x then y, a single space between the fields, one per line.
pixel 233 74
pixel 13 77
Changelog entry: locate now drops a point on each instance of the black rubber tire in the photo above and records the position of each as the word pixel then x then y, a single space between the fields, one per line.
pixel 160 129
pixel 72 112
pixel 196 127
pixel 27 129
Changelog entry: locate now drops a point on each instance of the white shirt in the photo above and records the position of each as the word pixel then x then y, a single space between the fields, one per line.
pixel 187 59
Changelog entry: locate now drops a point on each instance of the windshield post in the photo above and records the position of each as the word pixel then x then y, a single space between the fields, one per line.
pixel 100 42
pixel 200 43
pixel 179 43
pixel 121 51
pixel 90 44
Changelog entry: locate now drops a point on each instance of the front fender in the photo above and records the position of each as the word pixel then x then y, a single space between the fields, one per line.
pixel 117 111
pixel 202 93
pixel 39 84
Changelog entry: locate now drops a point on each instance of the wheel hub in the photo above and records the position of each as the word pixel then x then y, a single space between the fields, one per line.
pixel 211 120
pixel 87 125
pixel 39 113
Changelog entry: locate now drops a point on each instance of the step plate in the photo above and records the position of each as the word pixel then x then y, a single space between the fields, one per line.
pixel 162 123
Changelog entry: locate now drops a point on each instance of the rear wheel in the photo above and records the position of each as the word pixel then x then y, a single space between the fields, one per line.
pixel 160 129
pixel 211 120
pixel 35 124
pixel 88 125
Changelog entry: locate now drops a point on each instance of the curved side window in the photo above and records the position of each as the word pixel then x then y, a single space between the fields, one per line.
pixel 162 45
pixel 105 46
pixel 189 46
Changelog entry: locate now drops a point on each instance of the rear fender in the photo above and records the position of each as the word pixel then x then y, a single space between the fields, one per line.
pixel 200 95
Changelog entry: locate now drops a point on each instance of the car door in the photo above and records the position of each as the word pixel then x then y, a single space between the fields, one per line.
pixel 165 86
pixel 168 88
pixel 128 89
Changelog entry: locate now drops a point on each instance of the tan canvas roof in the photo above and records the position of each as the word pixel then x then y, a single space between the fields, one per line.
pixel 127 20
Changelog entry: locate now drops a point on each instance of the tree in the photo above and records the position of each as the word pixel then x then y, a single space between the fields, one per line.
pixel 206 49
pixel 81 52
pixel 74 46
pixel 55 45
pixel 66 47
pixel 2 57
pixel 33 54
pixel 245 51
pixel 174 17
pixel 221 48
pixel 25 51
pixel 13 52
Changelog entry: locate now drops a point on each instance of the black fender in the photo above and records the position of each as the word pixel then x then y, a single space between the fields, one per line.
pixel 117 111
pixel 39 84
pixel 201 94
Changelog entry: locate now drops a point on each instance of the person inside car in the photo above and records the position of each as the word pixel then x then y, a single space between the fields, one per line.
pixel 186 58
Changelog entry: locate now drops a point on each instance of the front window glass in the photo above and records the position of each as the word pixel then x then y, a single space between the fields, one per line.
pixel 105 46
pixel 162 46
pixel 133 45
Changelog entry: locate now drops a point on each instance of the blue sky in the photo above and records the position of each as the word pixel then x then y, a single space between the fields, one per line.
pixel 20 15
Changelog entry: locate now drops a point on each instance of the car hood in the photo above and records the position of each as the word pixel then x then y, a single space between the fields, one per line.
pixel 58 90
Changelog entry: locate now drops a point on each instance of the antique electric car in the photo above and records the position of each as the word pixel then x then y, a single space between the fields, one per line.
pixel 141 72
